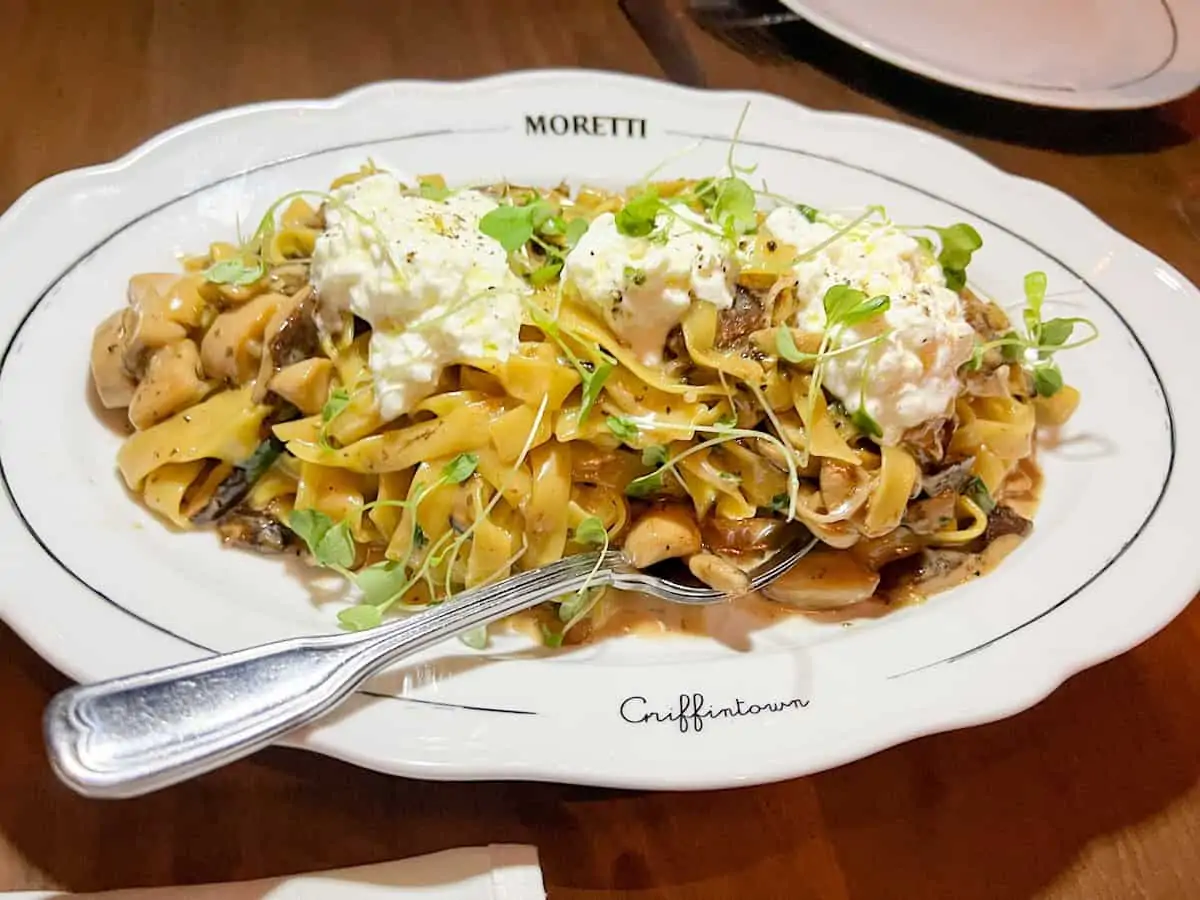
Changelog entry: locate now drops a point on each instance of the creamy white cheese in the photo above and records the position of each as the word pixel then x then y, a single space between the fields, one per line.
pixel 910 375
pixel 434 289
pixel 644 285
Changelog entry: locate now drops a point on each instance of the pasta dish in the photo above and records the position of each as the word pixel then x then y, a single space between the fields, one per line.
pixel 425 389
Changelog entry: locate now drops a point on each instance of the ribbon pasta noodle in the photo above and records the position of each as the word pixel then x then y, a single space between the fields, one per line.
pixel 740 366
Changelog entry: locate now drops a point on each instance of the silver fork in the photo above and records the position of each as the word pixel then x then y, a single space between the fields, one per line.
pixel 136 734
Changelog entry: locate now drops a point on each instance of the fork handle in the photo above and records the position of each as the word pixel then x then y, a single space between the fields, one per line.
pixel 139 733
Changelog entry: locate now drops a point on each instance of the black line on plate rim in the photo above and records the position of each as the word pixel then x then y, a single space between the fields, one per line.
pixel 1116 312
pixel 710 137
pixel 12 343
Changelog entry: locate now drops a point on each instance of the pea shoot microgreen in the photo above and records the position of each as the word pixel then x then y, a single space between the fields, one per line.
pixel 329 543
pixel 381 585
pixel 592 376
pixel 653 482
pixel 977 492
pixel 335 405
pixel 539 222
pixel 574 608
pixel 591 530
pixel 654 455
pixel 958 243
pixel 844 308
pixel 639 215
pixel 622 427
pixel 1034 350
pixel 235 271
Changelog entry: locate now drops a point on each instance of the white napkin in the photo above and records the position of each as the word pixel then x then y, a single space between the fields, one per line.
pixel 495 872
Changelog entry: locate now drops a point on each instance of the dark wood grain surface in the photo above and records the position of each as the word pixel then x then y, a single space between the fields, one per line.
pixel 1091 794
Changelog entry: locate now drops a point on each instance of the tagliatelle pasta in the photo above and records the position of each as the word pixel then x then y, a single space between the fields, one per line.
pixel 427 390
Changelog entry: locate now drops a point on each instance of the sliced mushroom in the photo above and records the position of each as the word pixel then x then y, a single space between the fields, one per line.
pixel 875 553
pixel 305 384
pixel 1001 521
pixel 114 385
pixel 232 347
pixel 740 320
pixel 938 570
pixel 290 337
pixel 173 381
pixel 927 442
pixel 824 579
pixel 741 536
pixel 237 482
pixel 984 316
pixel 255 530
pixel 719 574
pixel 952 478
pixel 933 514
pixel 665 532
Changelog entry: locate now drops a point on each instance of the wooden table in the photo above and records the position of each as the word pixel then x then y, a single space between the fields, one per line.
pixel 1092 794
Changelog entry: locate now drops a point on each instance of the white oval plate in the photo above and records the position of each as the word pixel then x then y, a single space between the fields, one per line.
pixel 1120 54
pixel 101 588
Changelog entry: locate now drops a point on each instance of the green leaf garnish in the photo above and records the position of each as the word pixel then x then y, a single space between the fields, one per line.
pixel 570 608
pixel 1047 379
pixel 576 229
pixel 339 399
pixel 959 241
pixel 1035 292
pixel 637 217
pixel 541 213
pixel 330 544
pixel 1055 332
pixel 591 530
pixel 381 582
pixel 234 271
pixel 622 427
pixel 635 276
pixel 512 226
pixel 780 503
pixel 431 190
pixel 336 547
pixel 645 486
pixel 545 273
pixel 976 491
pixel 361 618
pixel 310 526
pixel 654 455
pixel 846 306
pixel 1035 349
pixel 593 381
pixel 734 209
pixel 460 468
pixel 867 425
pixel 975 363
pixel 591 377
pixel 551 638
